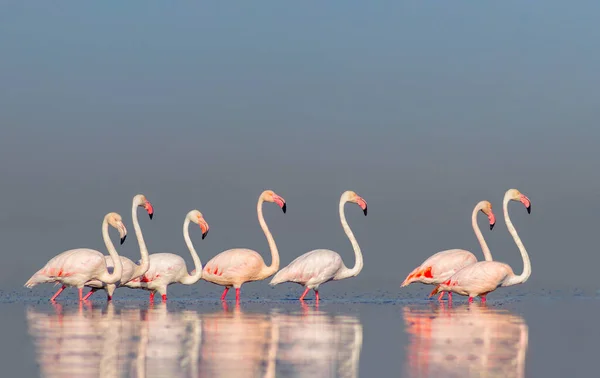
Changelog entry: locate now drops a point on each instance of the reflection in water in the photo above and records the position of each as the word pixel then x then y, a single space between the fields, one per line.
pixel 154 342
pixel 466 341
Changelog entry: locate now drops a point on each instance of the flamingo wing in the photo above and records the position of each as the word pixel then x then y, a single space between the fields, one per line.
pixel 479 278
pixel 441 266
pixel 162 265
pixel 314 267
pixel 234 263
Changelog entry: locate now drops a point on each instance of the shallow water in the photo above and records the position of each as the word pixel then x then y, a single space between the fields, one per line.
pixel 518 335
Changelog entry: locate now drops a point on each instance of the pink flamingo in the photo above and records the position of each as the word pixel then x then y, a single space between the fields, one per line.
pixel 442 265
pixel 322 265
pixel 131 270
pixel 235 267
pixel 483 277
pixel 169 268
pixel 75 267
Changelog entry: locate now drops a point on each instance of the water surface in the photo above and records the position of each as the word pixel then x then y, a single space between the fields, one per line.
pixel 519 335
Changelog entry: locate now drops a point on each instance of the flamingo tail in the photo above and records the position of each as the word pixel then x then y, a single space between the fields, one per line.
pixel 278 278
pixel 37 279
pixel 417 273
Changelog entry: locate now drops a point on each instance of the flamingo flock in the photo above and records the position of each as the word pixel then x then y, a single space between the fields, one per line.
pixel 451 271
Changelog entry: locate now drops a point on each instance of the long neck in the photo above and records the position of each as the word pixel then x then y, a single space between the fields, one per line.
pixel 274 267
pixel 358 264
pixel 145 261
pixel 484 247
pixel 115 276
pixel 190 279
pixel 515 280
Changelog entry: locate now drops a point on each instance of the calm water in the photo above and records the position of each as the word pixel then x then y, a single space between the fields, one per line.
pixel 516 335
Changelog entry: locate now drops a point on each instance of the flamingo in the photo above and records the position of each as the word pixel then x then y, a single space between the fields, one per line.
pixel 235 267
pixel 131 270
pixel 75 267
pixel 169 268
pixel 322 265
pixel 483 277
pixel 439 267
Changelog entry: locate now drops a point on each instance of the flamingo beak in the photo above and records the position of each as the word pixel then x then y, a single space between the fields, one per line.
pixel 280 202
pixel 122 232
pixel 363 204
pixel 492 219
pixel 526 202
pixel 204 227
pixel 149 208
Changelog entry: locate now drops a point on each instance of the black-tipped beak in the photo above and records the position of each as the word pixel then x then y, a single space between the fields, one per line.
pixel 204 234
pixel 365 211
pixel 123 239
pixel 492 226
pixel 151 215
pixel 529 209
pixel 284 207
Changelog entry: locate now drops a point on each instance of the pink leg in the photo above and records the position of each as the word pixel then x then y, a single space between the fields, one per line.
pixel 317 295
pixel 450 296
pixel 470 299
pixel 441 295
pixel 108 298
pixel 224 293
pixel 164 297
pixel 89 294
pixel 304 294
pixel 237 295
pixel 58 293
pixel 151 297
pixel 482 299
pixel 80 294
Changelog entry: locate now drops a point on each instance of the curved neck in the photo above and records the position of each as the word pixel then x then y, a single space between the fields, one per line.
pixel 274 267
pixel 484 247
pixel 515 280
pixel 105 276
pixel 190 279
pixel 145 260
pixel 358 264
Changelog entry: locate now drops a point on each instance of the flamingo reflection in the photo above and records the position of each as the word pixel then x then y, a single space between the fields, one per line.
pixel 155 342
pixel 110 343
pixel 466 341
pixel 317 344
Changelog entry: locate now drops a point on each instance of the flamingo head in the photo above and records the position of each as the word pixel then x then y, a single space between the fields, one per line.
pixel 141 201
pixel 355 198
pixel 486 208
pixel 515 195
pixel 116 221
pixel 197 217
pixel 271 196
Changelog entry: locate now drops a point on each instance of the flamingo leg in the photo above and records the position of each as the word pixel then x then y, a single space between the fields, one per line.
pixel 108 297
pixel 89 294
pixel 470 299
pixel 304 294
pixel 449 296
pixel 80 294
pixel 237 295
pixel 164 297
pixel 483 299
pixel 151 297
pixel 224 293
pixel 441 295
pixel 317 295
pixel 58 293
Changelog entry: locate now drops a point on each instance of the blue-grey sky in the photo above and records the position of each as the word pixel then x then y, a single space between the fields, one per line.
pixel 423 108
